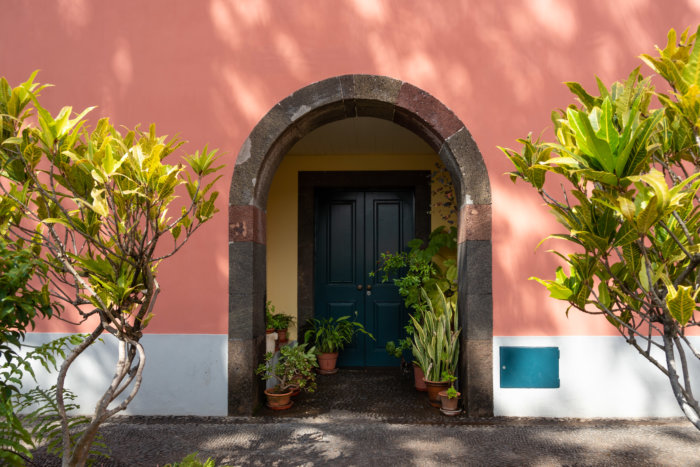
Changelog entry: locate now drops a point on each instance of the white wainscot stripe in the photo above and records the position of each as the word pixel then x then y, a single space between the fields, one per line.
pixel 185 374
pixel 601 377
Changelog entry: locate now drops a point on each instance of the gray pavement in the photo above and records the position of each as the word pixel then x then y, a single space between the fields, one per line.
pixel 342 438
pixel 376 418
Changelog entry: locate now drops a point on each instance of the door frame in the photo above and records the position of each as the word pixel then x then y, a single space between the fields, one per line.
pixel 286 123
pixel 418 180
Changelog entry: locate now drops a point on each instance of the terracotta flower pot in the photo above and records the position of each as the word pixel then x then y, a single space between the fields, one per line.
pixel 279 401
pixel 434 388
pixel 282 335
pixel 418 378
pixel 327 362
pixel 447 403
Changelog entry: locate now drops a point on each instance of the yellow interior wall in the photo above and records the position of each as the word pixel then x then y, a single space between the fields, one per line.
pixel 283 206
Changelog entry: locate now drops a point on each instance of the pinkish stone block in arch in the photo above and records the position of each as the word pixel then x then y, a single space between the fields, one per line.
pixel 246 224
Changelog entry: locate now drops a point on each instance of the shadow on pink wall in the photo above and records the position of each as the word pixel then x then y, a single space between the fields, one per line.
pixel 210 70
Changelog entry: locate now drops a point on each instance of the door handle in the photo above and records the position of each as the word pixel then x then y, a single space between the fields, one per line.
pixel 359 287
pixel 369 286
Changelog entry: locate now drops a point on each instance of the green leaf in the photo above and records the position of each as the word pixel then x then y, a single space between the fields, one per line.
pixel 680 303
pixel 691 71
pixel 556 290
pixel 586 99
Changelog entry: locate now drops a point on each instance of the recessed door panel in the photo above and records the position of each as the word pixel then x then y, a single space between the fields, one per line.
pixel 353 228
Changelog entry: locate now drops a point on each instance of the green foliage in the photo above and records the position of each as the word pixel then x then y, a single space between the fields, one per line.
pixel 281 321
pixel 293 368
pixel 631 209
pixel 276 320
pixel 429 267
pixel 20 305
pixel 330 335
pixel 452 393
pixel 432 268
pixel 84 211
pixel 18 434
pixel 45 421
pixel 436 339
pixel 398 350
pixel 191 461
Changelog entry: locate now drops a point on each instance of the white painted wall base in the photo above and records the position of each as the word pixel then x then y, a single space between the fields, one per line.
pixel 601 377
pixel 185 374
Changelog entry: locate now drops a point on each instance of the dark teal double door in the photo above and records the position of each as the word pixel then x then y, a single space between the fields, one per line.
pixel 353 228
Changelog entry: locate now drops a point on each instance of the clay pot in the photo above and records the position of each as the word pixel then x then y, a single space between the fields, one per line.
pixel 282 336
pixel 418 377
pixel 434 388
pixel 279 401
pixel 327 362
pixel 447 403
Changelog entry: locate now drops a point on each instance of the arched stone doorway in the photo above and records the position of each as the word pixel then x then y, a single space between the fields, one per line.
pixel 286 123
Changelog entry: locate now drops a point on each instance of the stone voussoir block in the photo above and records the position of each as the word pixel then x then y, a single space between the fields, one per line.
pixel 475 178
pixel 426 107
pixel 474 222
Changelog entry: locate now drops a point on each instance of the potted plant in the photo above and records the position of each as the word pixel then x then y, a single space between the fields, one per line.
pixel 432 267
pixel 436 345
pixel 330 336
pixel 301 364
pixel 281 323
pixel 449 399
pixel 269 320
pixel 293 370
pixel 398 352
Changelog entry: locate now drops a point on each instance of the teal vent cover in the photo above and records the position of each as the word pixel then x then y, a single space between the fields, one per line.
pixel 529 367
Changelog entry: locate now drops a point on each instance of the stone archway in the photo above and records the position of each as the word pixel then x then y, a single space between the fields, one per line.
pixel 290 120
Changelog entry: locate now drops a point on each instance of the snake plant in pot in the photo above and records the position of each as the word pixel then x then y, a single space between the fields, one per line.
pixel 330 336
pixel 436 344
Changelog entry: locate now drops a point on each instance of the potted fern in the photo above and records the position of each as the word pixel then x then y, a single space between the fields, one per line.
pixel 436 344
pixel 330 336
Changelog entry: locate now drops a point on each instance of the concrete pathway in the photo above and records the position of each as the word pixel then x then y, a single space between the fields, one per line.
pixel 377 418
pixel 342 438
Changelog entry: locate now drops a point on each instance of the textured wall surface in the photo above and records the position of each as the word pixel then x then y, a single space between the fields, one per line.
pixel 211 70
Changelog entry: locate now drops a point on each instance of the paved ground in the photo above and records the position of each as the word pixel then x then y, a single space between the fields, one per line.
pixel 375 418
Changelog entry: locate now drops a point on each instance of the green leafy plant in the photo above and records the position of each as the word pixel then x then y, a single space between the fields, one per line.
pixel 281 321
pixel 430 267
pixel 191 460
pixel 330 335
pixel 92 206
pixel 46 422
pixel 277 320
pixel 436 339
pixel 630 208
pixel 398 350
pixel 294 368
pixel 452 392
pixel 19 434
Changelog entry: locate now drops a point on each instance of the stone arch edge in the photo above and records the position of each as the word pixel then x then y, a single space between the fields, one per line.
pixel 291 119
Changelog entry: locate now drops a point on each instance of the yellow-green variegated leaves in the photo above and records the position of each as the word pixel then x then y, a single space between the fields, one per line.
pixel 630 208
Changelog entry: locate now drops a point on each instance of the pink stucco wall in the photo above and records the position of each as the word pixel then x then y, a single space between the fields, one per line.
pixel 209 70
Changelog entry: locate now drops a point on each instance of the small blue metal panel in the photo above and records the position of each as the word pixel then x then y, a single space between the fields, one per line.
pixel 529 367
